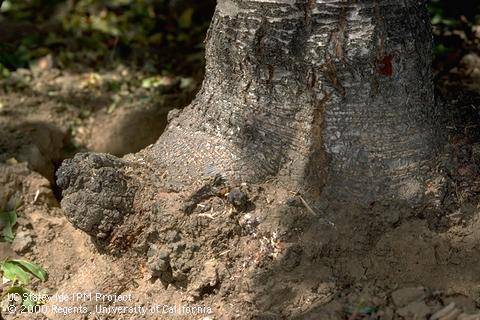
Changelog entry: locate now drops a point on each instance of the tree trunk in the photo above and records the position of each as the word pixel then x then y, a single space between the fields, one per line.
pixel 334 95
pixel 329 96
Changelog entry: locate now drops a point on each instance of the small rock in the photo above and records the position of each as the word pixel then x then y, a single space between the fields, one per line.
pixel 206 280
pixel 238 198
pixel 292 257
pixel 402 297
pixel 248 223
pixel 173 236
pixel 158 261
pixel 163 254
pixel 194 247
pixel 178 247
pixel 392 217
pixel 158 266
pixel 22 242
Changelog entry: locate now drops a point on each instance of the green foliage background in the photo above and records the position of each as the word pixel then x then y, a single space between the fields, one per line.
pixel 151 34
pixel 155 35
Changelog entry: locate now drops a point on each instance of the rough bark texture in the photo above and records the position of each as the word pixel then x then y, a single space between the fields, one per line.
pixel 333 95
pixel 323 96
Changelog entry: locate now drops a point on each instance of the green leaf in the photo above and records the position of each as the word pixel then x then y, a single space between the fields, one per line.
pixel 7 221
pixel 152 82
pixel 185 20
pixel 106 25
pixel 32 268
pixel 155 39
pixel 13 217
pixel 4 72
pixel 13 272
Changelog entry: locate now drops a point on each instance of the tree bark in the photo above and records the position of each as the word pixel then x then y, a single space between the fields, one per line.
pixel 332 97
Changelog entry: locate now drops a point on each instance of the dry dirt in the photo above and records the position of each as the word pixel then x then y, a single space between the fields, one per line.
pixel 220 251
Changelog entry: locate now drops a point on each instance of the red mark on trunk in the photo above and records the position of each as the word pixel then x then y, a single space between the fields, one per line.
pixel 385 66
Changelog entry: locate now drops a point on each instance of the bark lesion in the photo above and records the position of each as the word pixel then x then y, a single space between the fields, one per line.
pixel 315 173
pixel 330 72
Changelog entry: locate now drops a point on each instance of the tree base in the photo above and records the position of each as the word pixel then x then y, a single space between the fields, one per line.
pixel 274 253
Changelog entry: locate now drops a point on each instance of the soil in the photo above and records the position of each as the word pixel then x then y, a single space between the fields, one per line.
pixel 221 251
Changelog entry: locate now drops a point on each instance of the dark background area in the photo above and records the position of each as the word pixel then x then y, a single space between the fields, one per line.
pixel 155 35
